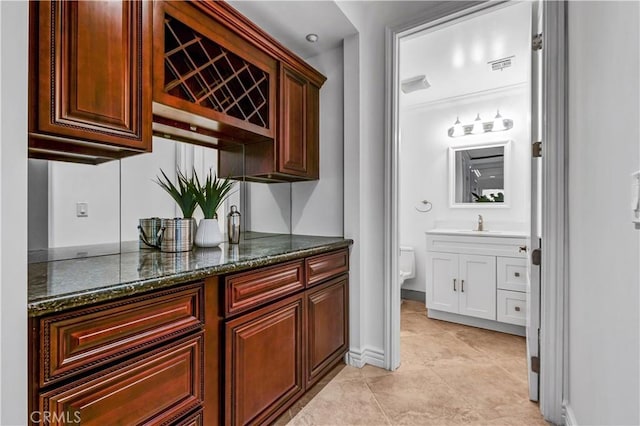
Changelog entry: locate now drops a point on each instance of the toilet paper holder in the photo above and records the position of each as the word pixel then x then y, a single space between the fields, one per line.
pixel 424 206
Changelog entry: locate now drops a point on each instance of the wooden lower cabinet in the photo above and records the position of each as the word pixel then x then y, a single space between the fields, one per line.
pixel 238 349
pixel 264 367
pixel 327 326
pixel 156 388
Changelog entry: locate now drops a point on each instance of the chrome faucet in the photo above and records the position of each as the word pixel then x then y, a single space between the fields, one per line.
pixel 480 223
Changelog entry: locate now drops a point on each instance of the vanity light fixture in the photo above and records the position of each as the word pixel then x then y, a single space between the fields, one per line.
pixel 458 130
pixel 498 123
pixel 478 127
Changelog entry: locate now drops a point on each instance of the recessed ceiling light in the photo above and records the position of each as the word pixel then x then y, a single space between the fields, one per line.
pixel 312 38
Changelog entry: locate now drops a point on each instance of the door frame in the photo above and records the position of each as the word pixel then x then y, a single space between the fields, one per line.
pixel 554 273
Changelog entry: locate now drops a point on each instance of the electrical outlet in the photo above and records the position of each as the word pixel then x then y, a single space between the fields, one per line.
pixel 82 209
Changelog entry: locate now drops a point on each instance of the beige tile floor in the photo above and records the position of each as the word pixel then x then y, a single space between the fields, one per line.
pixel 450 375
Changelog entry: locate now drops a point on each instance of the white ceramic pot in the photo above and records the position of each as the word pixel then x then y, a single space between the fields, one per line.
pixel 208 234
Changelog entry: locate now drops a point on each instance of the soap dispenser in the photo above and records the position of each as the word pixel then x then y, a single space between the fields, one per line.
pixel 233 225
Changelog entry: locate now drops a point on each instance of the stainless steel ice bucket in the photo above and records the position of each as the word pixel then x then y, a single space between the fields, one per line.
pixel 149 232
pixel 177 234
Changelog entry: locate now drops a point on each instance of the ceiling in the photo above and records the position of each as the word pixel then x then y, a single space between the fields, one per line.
pixel 290 21
pixel 455 57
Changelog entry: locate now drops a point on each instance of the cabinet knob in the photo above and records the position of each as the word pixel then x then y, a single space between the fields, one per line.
pixel 517 274
pixel 517 308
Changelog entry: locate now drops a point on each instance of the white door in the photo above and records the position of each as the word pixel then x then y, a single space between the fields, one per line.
pixel 442 282
pixel 478 286
pixel 533 286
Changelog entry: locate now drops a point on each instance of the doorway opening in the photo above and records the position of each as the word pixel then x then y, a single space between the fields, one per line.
pixel 500 193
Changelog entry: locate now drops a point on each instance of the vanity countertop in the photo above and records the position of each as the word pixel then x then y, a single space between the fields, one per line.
pixel 473 233
pixel 62 284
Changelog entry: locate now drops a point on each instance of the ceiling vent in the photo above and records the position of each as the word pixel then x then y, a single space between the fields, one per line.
pixel 500 64
pixel 413 84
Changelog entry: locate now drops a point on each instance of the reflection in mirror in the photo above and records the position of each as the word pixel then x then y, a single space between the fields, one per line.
pixel 117 194
pixel 72 207
pixel 479 175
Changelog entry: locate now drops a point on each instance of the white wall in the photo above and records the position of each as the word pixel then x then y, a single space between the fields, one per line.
pixel 604 249
pixel 13 212
pixel 424 168
pixel 99 186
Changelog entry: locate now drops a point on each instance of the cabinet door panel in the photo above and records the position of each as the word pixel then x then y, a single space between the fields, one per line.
pixel 442 290
pixel 478 286
pixel 327 325
pixel 293 112
pixel 94 85
pixel 264 368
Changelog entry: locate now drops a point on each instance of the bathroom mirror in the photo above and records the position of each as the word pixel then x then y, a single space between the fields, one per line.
pixel 479 175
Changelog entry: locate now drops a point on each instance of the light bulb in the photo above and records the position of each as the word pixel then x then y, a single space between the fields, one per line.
pixel 458 130
pixel 498 123
pixel 478 128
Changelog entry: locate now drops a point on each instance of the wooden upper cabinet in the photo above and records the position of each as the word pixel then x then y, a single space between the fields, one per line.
pixel 295 155
pixel 297 143
pixel 90 79
pixel 209 84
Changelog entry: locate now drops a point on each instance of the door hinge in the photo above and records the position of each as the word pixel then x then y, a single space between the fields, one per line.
pixel 536 149
pixel 536 42
pixel 536 257
pixel 535 364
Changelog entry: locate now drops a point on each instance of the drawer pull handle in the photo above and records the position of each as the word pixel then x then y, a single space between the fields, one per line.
pixel 517 274
pixel 522 248
pixel 454 284
pixel 517 308
pixel 462 286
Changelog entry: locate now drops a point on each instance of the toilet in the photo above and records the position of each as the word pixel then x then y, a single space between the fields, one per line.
pixel 407 264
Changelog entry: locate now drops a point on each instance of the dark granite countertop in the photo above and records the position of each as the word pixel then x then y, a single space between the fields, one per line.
pixel 62 284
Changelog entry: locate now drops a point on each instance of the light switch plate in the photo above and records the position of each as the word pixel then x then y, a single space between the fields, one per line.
pixel 82 209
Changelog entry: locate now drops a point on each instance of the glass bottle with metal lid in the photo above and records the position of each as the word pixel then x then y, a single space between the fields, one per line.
pixel 233 225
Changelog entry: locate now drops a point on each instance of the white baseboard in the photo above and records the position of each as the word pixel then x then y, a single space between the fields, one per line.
pixel 569 416
pixel 359 358
pixel 502 327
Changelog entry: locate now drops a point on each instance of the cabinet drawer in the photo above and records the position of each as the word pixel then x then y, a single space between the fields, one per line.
pixel 324 266
pixel 156 388
pixel 512 307
pixel 512 274
pixel 79 340
pixel 250 289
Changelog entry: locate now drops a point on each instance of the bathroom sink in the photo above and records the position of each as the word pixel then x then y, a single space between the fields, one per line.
pixel 487 233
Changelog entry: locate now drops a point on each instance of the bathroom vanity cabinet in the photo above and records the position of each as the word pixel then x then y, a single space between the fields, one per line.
pixel 463 284
pixel 477 278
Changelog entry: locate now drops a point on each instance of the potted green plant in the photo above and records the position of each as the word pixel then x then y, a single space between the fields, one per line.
pixel 178 234
pixel 209 196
